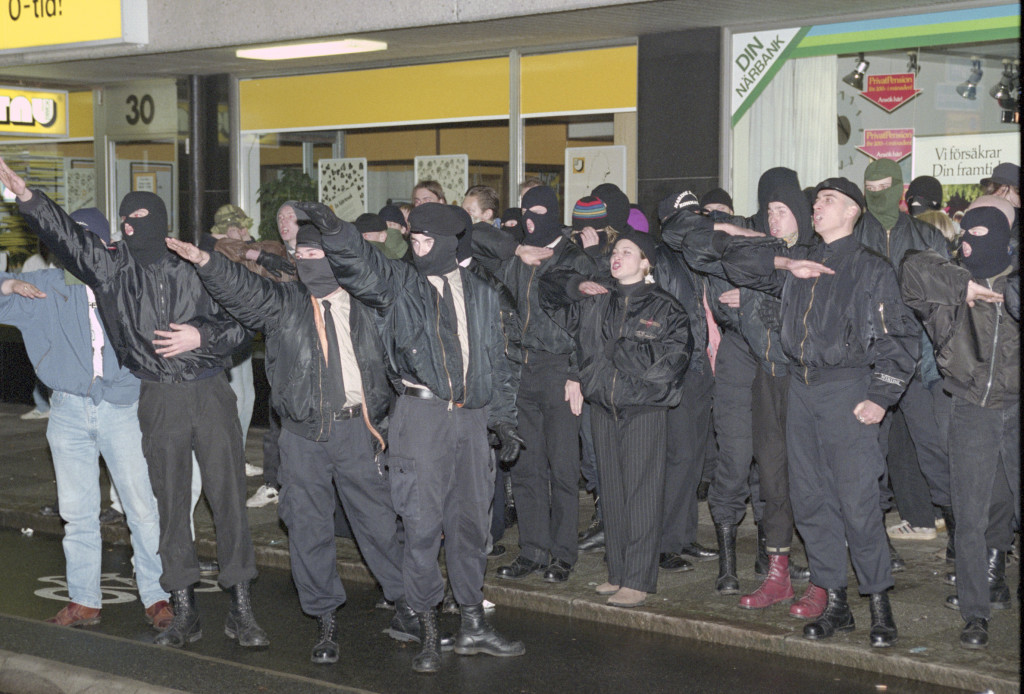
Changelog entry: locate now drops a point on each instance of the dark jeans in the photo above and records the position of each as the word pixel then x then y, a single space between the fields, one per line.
pixel 545 479
pixel 734 375
pixel 177 418
pixel 984 447
pixel 834 468
pixel 688 426
pixel 314 475
pixel 272 450
pixel 920 476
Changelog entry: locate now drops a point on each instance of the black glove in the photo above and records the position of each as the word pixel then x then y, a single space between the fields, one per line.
pixel 319 215
pixel 275 264
pixel 673 204
pixel 511 443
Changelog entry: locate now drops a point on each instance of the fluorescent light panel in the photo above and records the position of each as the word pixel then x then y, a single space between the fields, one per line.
pixel 311 50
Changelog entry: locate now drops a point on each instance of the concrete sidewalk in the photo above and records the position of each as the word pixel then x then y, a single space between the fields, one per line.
pixel 685 605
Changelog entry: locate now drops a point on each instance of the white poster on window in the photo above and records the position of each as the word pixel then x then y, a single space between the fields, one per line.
pixel 342 186
pixel 958 159
pixel 450 170
pixel 588 167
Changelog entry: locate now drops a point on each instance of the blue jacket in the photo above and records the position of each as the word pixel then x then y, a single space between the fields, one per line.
pixel 58 339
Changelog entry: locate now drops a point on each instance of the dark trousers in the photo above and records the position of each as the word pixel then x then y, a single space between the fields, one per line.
pixel 631 459
pixel 734 375
pixel 834 468
pixel 314 474
pixel 984 447
pixel 442 481
pixel 545 479
pixel 770 396
pixel 588 458
pixel 272 451
pixel 177 419
pixel 920 480
pixel 687 425
pixel 498 502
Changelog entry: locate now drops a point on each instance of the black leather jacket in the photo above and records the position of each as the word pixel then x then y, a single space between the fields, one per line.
pixel 285 314
pixel 672 274
pixel 840 326
pixel 539 332
pixel 977 348
pixel 409 307
pixel 134 300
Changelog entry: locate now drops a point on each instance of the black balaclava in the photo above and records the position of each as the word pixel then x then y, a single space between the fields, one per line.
pixel 512 222
pixel 616 202
pixel 795 199
pixel 444 226
pixel 146 243
pixel 314 273
pixel 884 204
pixel 985 256
pixel 771 180
pixel 547 226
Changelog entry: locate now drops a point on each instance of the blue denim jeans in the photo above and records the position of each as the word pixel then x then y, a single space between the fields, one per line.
pixel 78 432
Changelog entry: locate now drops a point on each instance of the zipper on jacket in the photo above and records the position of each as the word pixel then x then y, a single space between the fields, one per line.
pixel 881 313
pixel 767 349
pixel 529 286
pixel 615 374
pixel 809 304
pixel 444 355
pixel 995 346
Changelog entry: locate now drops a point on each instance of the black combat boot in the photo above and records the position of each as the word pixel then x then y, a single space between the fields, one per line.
pixel 883 629
pixel 325 651
pixel 405 626
pixel 241 622
pixel 896 562
pixel 477 636
pixel 185 627
pixel 998 592
pixel 727 583
pixel 429 657
pixel 592 539
pixel 836 617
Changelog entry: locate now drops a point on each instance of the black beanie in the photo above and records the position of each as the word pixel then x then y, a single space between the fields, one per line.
pixel 716 196
pixel 393 213
pixel 435 219
pixel 368 222
pixel 644 241
pixel 309 235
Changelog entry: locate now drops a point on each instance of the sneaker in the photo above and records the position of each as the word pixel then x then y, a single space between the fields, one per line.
pixel 252 470
pixel 263 496
pixel 36 414
pixel 905 531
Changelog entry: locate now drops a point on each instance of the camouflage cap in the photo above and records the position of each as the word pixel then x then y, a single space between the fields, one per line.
pixel 230 216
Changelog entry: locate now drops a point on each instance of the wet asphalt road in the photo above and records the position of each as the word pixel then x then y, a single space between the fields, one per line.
pixel 563 655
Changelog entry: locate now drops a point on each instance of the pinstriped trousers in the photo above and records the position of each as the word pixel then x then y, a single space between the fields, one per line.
pixel 631 464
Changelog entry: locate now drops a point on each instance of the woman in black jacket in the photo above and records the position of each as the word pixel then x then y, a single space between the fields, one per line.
pixel 633 345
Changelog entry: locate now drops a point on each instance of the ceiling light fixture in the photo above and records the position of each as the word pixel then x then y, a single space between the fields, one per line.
pixel 969 88
pixel 311 50
pixel 856 78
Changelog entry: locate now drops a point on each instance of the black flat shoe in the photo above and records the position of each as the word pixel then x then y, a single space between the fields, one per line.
pixel 698 552
pixel 557 572
pixel 674 562
pixel 519 568
pixel 975 634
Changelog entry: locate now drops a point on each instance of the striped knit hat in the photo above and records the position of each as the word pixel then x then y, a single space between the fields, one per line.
pixel 589 212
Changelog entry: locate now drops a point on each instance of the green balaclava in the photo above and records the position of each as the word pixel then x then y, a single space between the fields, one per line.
pixel 884 204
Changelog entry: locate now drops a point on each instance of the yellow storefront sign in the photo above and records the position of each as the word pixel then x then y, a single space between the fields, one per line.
pixel 31 24
pixel 33 112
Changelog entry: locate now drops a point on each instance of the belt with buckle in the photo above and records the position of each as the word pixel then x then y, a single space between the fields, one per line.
pixel 420 392
pixel 349 413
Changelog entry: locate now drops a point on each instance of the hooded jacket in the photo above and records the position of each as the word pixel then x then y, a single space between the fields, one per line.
pixel 977 348
pixel 284 313
pixel 410 311
pixel 136 299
